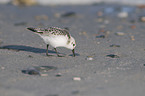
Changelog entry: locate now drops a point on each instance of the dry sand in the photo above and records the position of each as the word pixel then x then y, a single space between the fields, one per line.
pixel 92 72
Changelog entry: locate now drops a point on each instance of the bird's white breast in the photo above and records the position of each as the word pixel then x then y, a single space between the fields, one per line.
pixel 55 41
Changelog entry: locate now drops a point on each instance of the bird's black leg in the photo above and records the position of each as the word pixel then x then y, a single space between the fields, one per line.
pixel 47 50
pixel 73 51
pixel 56 52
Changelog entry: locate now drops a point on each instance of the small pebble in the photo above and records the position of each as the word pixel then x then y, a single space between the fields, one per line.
pixel 132 38
pixel 100 20
pixel 106 21
pixel 133 27
pixel 83 33
pixel 2 68
pixel 100 13
pixel 43 74
pixel 57 15
pixel 77 79
pixel 142 19
pixel 107 33
pixel 89 58
pixel 123 15
pixel 112 56
pixel 98 42
pixel 120 33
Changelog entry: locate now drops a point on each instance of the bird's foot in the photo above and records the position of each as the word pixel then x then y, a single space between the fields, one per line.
pixel 48 55
pixel 60 56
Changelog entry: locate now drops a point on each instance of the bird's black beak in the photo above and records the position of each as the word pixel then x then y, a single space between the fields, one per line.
pixel 73 51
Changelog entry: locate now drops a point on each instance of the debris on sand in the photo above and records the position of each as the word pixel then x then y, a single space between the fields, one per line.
pixel 76 78
pixel 68 14
pixel 89 58
pixel 142 19
pixel 2 68
pixel 100 36
pixel 123 15
pixel 113 56
pixel 58 75
pixel 120 33
pixel 132 38
pixel 39 70
pixel 114 45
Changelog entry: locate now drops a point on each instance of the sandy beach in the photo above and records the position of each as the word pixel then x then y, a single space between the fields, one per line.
pixel 110 51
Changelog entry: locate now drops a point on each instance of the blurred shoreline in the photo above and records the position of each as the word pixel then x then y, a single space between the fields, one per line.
pixel 74 2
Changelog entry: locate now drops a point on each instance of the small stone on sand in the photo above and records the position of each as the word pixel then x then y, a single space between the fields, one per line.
pixel 89 58
pixel 123 15
pixel 77 79
pixel 120 33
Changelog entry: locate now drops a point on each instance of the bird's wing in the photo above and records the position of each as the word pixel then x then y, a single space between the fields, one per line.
pixel 58 31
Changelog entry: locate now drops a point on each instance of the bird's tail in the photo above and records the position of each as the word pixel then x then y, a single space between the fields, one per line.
pixel 32 29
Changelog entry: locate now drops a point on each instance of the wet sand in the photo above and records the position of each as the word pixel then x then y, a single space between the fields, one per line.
pixel 114 43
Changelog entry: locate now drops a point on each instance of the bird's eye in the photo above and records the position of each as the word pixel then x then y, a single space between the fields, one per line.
pixel 73 44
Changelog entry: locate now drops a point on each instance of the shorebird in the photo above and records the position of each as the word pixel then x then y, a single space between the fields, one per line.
pixel 56 37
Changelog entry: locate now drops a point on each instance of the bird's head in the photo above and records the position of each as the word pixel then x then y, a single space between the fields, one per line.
pixel 71 43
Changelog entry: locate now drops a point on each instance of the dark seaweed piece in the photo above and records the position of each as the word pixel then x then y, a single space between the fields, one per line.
pixel 31 71
pixel 68 14
pixel 100 36
pixel 114 45
pixel 112 56
pixel 58 75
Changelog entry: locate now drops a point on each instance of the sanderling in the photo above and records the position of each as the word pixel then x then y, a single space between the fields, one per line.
pixel 56 37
